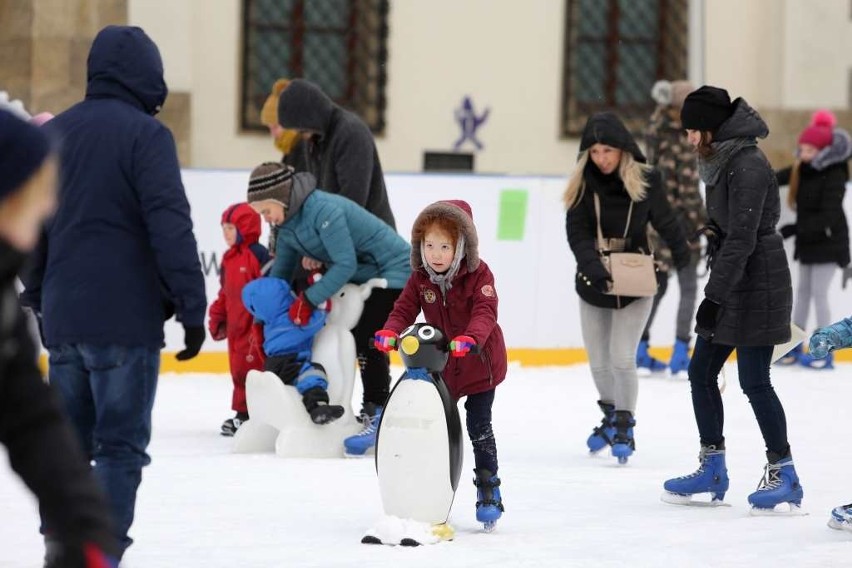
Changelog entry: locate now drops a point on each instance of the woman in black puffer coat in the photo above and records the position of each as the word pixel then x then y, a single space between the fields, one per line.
pixel 817 185
pixel 748 297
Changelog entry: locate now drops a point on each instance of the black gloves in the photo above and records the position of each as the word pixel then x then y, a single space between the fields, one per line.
pixel 603 285
pixel 787 230
pixel 193 338
pixel 708 311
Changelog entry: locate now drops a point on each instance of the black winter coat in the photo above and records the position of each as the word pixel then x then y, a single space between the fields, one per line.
pixel 581 227
pixel 822 234
pixel 43 449
pixel 343 157
pixel 750 277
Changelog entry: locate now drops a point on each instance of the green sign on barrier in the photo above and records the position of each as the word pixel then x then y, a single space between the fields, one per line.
pixel 513 214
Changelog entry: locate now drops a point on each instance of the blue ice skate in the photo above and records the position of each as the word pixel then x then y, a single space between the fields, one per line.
pixel 841 518
pixel 623 443
pixel 680 357
pixel 645 361
pixel 489 503
pixel 602 435
pixel 780 484
pixel 811 362
pixel 357 446
pixel 792 357
pixel 710 477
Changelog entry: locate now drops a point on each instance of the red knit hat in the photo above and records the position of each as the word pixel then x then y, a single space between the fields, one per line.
pixel 819 132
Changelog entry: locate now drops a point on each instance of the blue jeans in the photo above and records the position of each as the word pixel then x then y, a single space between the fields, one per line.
pixel 753 365
pixel 108 393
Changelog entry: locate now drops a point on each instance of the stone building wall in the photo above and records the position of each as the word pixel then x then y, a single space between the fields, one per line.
pixel 43 49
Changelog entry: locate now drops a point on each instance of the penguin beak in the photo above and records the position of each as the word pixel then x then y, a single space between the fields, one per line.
pixel 409 345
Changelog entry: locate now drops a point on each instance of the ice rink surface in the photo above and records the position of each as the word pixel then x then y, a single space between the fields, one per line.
pixel 201 506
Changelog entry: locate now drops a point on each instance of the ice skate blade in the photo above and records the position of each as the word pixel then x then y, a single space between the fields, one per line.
pixel 839 525
pixel 371 453
pixel 489 526
pixel 780 510
pixel 689 500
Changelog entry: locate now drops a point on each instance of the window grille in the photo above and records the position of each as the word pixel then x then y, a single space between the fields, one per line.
pixel 341 45
pixel 615 50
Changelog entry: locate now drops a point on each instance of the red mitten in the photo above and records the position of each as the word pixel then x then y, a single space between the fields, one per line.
pixel 218 330
pixel 301 310
pixel 461 345
pixel 385 340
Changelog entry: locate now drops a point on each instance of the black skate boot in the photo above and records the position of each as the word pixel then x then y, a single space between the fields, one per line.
pixel 231 425
pixel 489 502
pixel 324 413
pixel 623 443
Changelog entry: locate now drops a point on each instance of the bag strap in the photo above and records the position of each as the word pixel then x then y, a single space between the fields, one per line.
pixel 598 221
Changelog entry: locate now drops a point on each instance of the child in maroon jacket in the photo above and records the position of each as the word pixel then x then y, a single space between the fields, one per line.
pixel 455 290
pixel 242 263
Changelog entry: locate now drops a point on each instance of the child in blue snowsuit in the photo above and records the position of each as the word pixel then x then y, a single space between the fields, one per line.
pixel 288 346
pixel 824 341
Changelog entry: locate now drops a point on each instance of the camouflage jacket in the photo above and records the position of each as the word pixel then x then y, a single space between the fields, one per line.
pixel 667 149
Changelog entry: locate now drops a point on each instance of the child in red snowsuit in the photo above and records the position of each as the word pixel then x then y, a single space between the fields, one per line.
pixel 229 319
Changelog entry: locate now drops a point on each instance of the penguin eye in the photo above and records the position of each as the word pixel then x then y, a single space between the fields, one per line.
pixel 426 333
pixel 407 330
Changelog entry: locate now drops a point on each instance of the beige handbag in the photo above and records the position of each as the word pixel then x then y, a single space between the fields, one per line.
pixel 633 273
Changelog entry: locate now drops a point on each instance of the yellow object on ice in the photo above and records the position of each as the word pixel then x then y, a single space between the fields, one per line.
pixel 444 531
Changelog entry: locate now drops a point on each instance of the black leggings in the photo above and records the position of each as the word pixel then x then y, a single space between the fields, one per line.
pixel 375 365
pixel 478 407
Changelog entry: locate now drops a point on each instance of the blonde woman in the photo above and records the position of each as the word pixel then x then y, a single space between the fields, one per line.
pixel 612 168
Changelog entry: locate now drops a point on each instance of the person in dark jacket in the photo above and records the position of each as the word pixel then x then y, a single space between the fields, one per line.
pixel 455 290
pixel 747 299
pixel 817 186
pixel 293 153
pixel 668 151
pixel 612 171
pixel 342 154
pixel 243 262
pixel 354 246
pixel 41 444
pixel 119 258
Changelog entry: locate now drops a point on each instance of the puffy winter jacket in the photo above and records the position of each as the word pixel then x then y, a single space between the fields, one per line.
pixel 120 252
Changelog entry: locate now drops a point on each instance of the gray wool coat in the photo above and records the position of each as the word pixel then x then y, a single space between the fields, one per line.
pixel 750 277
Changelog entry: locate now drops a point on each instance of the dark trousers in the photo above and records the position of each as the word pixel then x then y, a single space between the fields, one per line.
pixel 108 393
pixel 375 366
pixel 753 365
pixel 478 407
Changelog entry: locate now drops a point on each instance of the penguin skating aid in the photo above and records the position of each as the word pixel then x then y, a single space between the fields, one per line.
pixel 419 446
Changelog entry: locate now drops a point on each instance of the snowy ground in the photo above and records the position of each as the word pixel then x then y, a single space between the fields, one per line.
pixel 202 506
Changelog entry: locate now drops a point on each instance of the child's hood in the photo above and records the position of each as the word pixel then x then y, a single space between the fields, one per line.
pixel 247 221
pixel 267 297
pixel 460 214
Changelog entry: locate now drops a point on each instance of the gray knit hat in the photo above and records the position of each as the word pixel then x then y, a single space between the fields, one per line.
pixel 271 180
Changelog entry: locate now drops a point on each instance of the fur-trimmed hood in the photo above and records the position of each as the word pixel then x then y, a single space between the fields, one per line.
pixel 459 213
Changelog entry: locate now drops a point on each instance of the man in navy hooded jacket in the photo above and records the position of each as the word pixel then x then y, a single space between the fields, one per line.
pixel 116 260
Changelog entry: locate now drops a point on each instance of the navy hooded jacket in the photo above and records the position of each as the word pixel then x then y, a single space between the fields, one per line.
pixel 120 254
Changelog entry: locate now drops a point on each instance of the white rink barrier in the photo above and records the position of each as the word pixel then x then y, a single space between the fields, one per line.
pixel 521 225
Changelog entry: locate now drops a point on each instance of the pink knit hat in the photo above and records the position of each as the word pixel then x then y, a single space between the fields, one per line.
pixel 820 131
